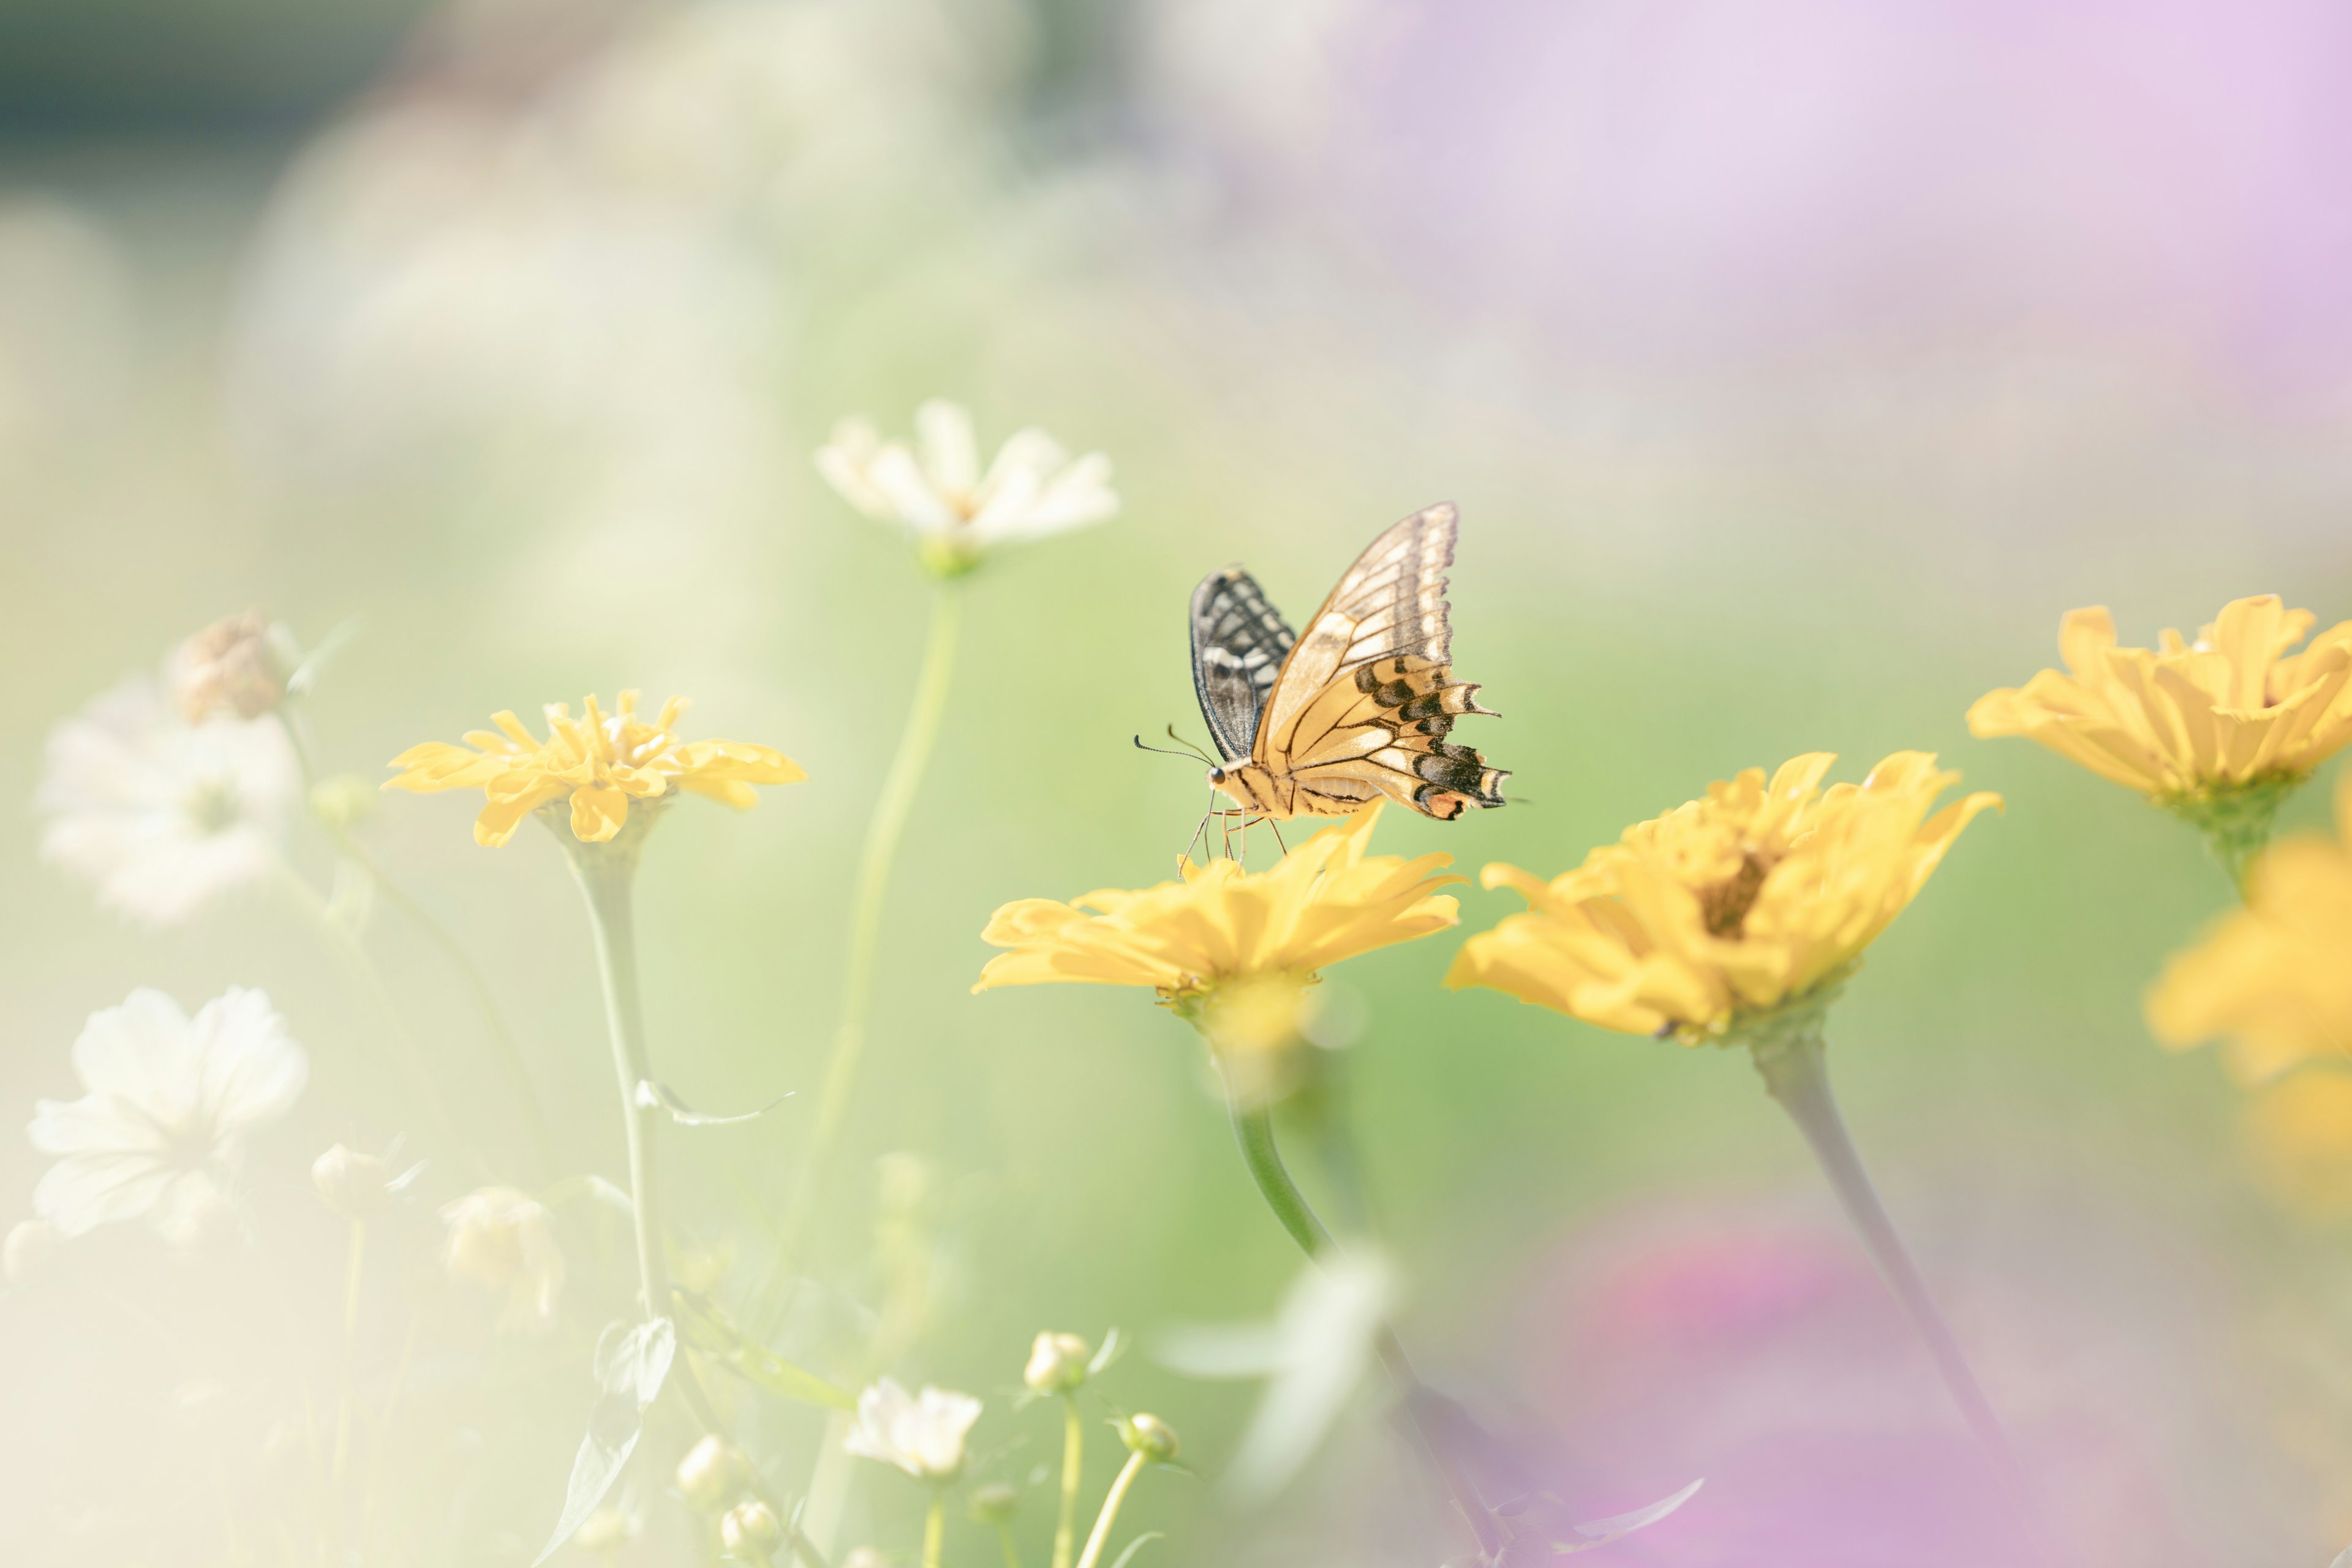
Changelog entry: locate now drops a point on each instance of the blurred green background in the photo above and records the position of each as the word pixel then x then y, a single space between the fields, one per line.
pixel 502 333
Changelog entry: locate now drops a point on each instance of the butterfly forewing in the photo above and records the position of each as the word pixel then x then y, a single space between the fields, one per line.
pixel 1238 646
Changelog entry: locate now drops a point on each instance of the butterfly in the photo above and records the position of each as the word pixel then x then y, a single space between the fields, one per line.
pixel 1357 710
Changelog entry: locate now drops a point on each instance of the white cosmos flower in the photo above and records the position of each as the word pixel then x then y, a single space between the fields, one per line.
pixel 170 1102
pixel 936 491
pixel 922 1434
pixel 160 815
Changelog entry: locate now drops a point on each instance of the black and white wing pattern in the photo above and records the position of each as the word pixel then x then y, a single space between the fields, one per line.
pixel 1239 643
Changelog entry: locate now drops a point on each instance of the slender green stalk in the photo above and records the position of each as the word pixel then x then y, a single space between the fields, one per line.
pixel 935 1527
pixel 2235 819
pixel 1101 1533
pixel 607 872
pixel 1796 1073
pixel 1074 1455
pixel 350 848
pixel 891 809
pixel 1254 1130
pixel 355 1260
pixel 1005 1538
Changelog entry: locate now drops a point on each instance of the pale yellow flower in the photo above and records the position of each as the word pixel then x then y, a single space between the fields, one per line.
pixel 2184 719
pixel 1226 939
pixel 2298 1135
pixel 2274 978
pixel 505 1241
pixel 1728 906
pixel 598 763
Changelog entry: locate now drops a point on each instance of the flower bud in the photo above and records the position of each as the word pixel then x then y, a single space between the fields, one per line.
pixel 751 1529
pixel 608 1529
pixel 232 666
pixel 356 1186
pixel 343 801
pixel 505 1240
pixel 30 1250
pixel 865 1557
pixel 711 1475
pixel 1149 1436
pixel 1057 1363
pixel 994 1503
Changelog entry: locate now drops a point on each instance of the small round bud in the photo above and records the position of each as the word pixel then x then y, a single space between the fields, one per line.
pixel 356 1186
pixel 712 1474
pixel 608 1529
pixel 1057 1363
pixel 343 801
pixel 994 1503
pixel 751 1529
pixel 30 1250
pixel 865 1557
pixel 1149 1436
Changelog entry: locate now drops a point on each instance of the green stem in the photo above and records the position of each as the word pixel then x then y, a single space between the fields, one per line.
pixel 1074 1454
pixel 935 1527
pixel 1254 1130
pixel 355 1260
pixel 1795 1071
pixel 347 845
pixel 891 808
pixel 1101 1533
pixel 1005 1538
pixel 605 873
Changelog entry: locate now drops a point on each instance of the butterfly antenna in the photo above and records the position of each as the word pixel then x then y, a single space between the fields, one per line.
pixel 1162 750
pixel 1194 747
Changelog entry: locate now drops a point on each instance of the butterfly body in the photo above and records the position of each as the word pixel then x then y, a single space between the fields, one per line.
pixel 1358 709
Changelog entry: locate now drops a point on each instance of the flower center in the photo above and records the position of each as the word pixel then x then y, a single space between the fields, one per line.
pixel 213 807
pixel 1725 905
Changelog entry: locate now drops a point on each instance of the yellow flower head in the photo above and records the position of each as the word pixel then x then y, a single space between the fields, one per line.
pixel 2184 719
pixel 597 762
pixel 2298 1131
pixel 1726 907
pixel 2275 978
pixel 1226 940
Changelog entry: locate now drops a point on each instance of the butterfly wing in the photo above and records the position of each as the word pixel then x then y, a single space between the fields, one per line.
pixel 1361 706
pixel 1238 646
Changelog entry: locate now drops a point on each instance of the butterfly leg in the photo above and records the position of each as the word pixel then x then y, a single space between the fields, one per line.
pixel 1275 827
pixel 1199 831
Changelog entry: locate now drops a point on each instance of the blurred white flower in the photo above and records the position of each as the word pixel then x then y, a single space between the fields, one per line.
pixel 1314 1354
pixel 170 1102
pixel 160 815
pixel 502 1239
pixel 922 1434
pixel 937 491
pixel 29 1251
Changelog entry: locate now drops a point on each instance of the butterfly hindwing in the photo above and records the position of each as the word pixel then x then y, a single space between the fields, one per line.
pixel 1239 643
pixel 1362 705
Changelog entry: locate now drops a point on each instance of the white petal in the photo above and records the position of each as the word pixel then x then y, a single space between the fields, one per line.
pixel 847 475
pixel 913 499
pixel 94 1124
pixel 142 1050
pixel 943 437
pixel 191 1209
pixel 1029 456
pixel 82 1191
pixel 252 1070
pixel 1078 495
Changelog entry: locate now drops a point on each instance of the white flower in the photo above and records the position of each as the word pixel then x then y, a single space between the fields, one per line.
pixel 923 1436
pixel 170 1102
pixel 503 1239
pixel 162 816
pixel 937 491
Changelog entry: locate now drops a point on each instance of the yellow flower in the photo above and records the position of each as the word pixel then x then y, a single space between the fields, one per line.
pixel 1727 907
pixel 598 763
pixel 1226 940
pixel 2298 1133
pixel 2275 978
pixel 2182 720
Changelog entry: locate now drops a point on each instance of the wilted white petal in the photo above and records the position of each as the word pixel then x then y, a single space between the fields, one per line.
pixel 951 455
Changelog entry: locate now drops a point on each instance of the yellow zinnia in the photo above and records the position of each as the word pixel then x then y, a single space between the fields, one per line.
pixel 1726 908
pixel 2217 731
pixel 2274 978
pixel 598 763
pixel 1230 949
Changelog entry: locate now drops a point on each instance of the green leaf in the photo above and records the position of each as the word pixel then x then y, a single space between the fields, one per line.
pixel 631 1363
pixel 1135 1546
pixel 709 1330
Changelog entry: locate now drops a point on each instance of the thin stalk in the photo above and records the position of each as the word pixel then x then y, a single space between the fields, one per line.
pixel 1101 1533
pixel 1074 1455
pixel 1796 1073
pixel 354 1263
pixel 349 847
pixel 1005 1538
pixel 605 874
pixel 1254 1130
pixel 891 808
pixel 935 1527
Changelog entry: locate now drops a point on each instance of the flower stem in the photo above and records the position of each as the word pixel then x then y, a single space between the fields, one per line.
pixel 1074 1454
pixel 1004 1538
pixel 935 1527
pixel 891 809
pixel 1254 1129
pixel 1796 1073
pixel 605 874
pixel 1101 1533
